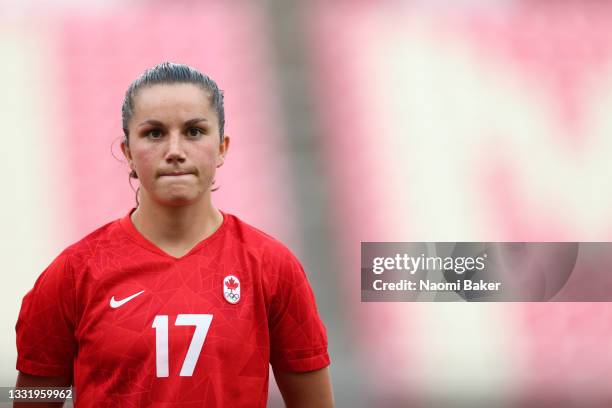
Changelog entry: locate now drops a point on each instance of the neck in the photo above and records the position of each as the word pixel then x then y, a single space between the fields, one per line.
pixel 176 229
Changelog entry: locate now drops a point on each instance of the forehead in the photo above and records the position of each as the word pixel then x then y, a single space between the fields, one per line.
pixel 168 101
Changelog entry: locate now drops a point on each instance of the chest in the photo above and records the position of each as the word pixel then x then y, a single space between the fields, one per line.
pixel 172 319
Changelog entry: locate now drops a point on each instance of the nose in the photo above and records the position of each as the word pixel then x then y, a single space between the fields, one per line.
pixel 175 152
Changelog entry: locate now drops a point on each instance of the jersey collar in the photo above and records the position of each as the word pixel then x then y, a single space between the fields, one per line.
pixel 128 226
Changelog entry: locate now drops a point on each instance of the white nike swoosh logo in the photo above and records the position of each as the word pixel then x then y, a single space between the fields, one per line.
pixel 117 303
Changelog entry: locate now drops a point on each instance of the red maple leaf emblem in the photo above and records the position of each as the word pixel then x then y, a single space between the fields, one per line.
pixel 231 284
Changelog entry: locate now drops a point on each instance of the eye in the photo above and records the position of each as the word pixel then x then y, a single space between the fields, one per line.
pixel 154 134
pixel 195 132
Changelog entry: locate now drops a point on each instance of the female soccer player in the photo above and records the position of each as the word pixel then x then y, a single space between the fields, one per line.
pixel 177 303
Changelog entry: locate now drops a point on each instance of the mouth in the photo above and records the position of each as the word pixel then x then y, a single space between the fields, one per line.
pixel 176 174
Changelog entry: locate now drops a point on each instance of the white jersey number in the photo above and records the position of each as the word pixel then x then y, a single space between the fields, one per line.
pixel 160 324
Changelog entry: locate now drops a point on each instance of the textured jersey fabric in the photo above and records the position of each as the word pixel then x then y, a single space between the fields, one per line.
pixel 135 326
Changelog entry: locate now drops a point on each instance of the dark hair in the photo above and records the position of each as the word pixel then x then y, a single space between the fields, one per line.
pixel 171 73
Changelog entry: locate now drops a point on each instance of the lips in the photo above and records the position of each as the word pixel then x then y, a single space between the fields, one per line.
pixel 175 173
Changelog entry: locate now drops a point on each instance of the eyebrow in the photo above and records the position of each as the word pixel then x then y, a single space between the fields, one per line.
pixel 154 122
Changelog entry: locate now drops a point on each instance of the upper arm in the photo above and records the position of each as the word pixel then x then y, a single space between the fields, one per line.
pixel 45 328
pixel 298 338
pixel 305 390
pixel 28 380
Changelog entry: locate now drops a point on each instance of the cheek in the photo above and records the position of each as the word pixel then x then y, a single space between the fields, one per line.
pixel 209 159
pixel 144 162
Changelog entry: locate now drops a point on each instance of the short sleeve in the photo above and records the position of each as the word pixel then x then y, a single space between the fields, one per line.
pixel 298 339
pixel 46 343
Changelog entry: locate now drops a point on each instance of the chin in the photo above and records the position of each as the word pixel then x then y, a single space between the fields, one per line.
pixel 179 199
pixel 176 195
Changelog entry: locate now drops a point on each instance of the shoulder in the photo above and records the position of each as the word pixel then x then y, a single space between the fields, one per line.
pixel 256 241
pixel 82 251
pixel 278 264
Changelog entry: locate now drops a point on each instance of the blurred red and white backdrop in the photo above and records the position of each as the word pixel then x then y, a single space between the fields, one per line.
pixel 441 121
pixel 487 122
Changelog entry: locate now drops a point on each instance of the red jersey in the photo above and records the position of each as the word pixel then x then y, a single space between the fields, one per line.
pixel 135 326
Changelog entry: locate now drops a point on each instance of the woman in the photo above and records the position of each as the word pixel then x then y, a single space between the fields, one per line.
pixel 176 303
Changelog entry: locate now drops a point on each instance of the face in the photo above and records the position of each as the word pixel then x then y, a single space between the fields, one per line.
pixel 174 143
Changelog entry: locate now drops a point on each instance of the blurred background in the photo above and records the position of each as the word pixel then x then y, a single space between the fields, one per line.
pixel 350 121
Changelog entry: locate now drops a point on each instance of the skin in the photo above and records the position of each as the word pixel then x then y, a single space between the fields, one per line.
pixel 175 149
pixel 305 390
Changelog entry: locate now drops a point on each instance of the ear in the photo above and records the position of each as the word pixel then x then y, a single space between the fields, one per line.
pixel 125 148
pixel 223 148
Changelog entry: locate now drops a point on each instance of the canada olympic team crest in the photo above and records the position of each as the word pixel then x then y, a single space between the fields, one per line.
pixel 231 289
